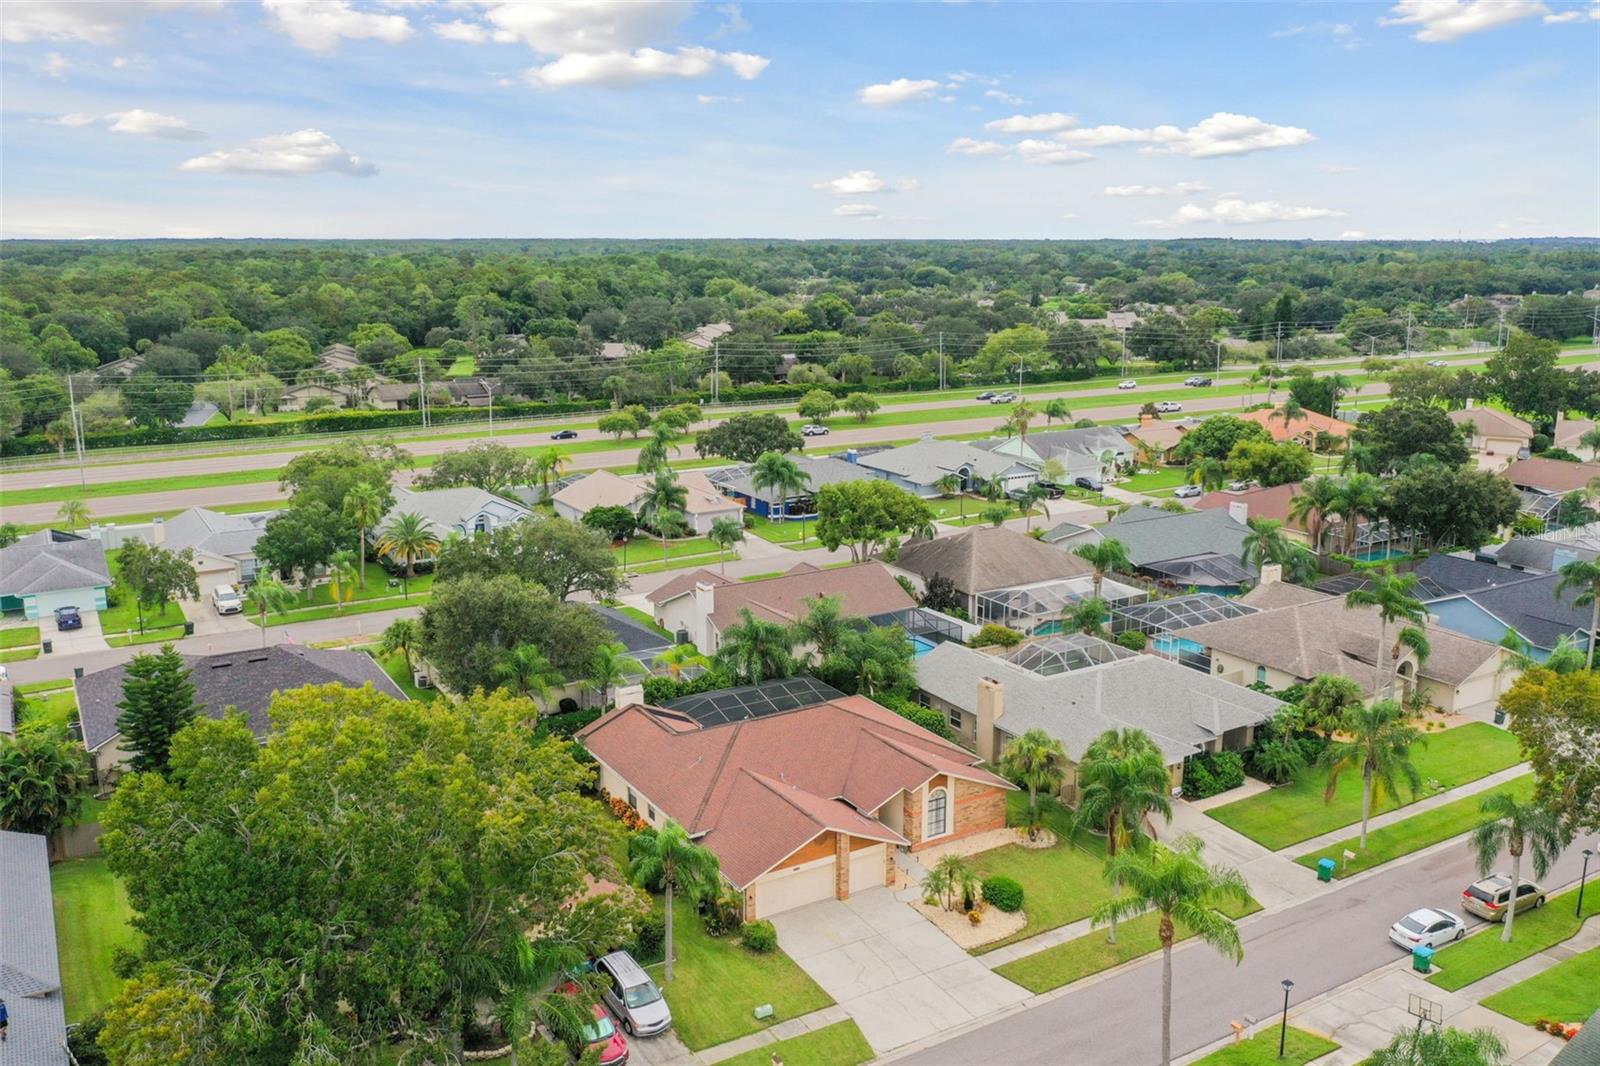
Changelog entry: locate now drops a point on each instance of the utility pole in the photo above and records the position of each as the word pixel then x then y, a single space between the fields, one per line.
pixel 1500 330
pixel 489 388
pixel 1409 317
pixel 1022 362
pixel 1594 335
pixel 77 432
pixel 422 394
pixel 941 361
pixel 716 371
pixel 1123 332
pixel 1279 355
pixel 1219 364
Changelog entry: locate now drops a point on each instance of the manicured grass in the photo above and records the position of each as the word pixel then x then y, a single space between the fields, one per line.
pixel 18 636
pixel 165 635
pixel 717 984
pixel 839 1044
pixel 1165 478
pixel 92 920
pixel 125 615
pixel 399 672
pixel 644 548
pixel 1567 992
pixel 642 618
pixel 221 479
pixel 313 614
pixel 17 655
pixel 91 810
pixel 1414 833
pixel 31 688
pixel 1299 1047
pixel 1296 812
pixel 378 587
pixel 1483 953
pixel 464 366
pixel 52 711
pixel 786 533
pixel 1060 884
pixel 1090 953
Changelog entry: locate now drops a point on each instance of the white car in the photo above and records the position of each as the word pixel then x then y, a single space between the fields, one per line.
pixel 1427 926
pixel 1004 397
pixel 226 599
pixel 1437 362
pixel 1188 492
pixel 813 430
pixel 1166 407
pixel 1129 384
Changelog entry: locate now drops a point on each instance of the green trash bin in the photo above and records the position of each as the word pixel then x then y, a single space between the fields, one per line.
pixel 1422 958
pixel 1325 869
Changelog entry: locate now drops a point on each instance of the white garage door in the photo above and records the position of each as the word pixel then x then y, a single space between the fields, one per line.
pixel 794 888
pixel 866 868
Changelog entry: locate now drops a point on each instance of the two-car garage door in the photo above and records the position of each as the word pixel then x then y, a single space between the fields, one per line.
pixel 784 890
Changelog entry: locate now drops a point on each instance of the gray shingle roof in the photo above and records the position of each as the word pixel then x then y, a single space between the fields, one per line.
pixel 1180 708
pixel 1550 551
pixel 30 970
pixel 445 509
pixel 215 533
pixel 1530 606
pixel 982 558
pixel 1151 535
pixel 52 561
pixel 641 641
pixel 926 461
pixel 243 679
pixel 819 470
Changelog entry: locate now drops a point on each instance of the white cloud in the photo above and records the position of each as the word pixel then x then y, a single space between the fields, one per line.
pixel 1049 153
pixel 1576 14
pixel 733 20
pixel 854 183
pixel 287 154
pixel 1224 133
pixel 641 65
pixel 319 25
pixel 864 212
pixel 1232 211
pixel 1049 122
pixel 95 21
pixel 586 26
pixel 1069 214
pixel 1442 21
pixel 899 91
pixel 461 31
pixel 743 64
pixel 75 119
pixel 1003 97
pixel 56 64
pixel 970 146
pixel 1182 188
pixel 705 100
pixel 1353 235
pixel 142 123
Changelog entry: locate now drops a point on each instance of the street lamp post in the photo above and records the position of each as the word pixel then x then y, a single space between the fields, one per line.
pixel 1587 853
pixel 1283 1026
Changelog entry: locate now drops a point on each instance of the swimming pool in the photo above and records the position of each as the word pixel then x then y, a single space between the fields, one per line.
pixel 920 645
pixel 1175 646
pixel 1374 555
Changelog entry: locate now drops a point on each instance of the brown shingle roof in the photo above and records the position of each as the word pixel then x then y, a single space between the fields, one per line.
pixel 1312 420
pixel 1270 502
pixel 1550 475
pixel 866 589
pixel 982 558
pixel 1492 422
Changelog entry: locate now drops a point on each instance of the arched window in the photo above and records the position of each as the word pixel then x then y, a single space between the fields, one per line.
pixel 938 817
pixel 1261 675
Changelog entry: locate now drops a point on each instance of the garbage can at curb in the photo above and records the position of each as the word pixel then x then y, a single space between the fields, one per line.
pixel 1325 869
pixel 1422 958
pixel 46 646
pixel 188 629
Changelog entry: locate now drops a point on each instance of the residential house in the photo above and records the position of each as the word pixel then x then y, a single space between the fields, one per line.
pixel 1298 633
pixel 30 968
pixel 1543 483
pixel 338 358
pixel 699 606
pixel 920 467
pixel 1529 604
pixel 1498 439
pixel 1204 549
pixel 1373 539
pixel 703 337
pixel 395 396
pixel 1569 433
pixel 53 568
pixel 1437 576
pixel 224 544
pixel 1303 429
pixel 463 511
pixel 1547 552
pixel 241 680
pixel 296 397
pixel 703 503
pixel 802 793
pixel 1093 451
pixel 1069 535
pixel 474 391
pixel 616 351
pixel 1160 437
pixel 819 470
pixel 1075 688
pixel 120 369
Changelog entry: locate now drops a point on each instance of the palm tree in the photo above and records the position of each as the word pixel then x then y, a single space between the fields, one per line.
pixel 1432 1047
pixel 363 507
pixel 781 478
pixel 526 671
pixel 1108 555
pixel 548 466
pixel 342 577
pixel 725 533
pixel 73 513
pixel 754 650
pixel 1032 496
pixel 670 857
pixel 408 537
pixel 1289 411
pixel 1310 506
pixel 823 626
pixel 1516 827
pixel 1122 781
pixel 1037 761
pixel 1264 543
pixel 1017 422
pixel 1054 409
pixel 1085 616
pixel 1591 440
pixel 1391 594
pixel 662 497
pixel 950 485
pixel 1338 385
pixel 267 593
pixel 1584 575
pixel 610 665
pixel 678 658
pixel 1377 740
pixel 403 636
pixel 1360 496
pixel 1178 884
pixel 1209 473
pixel 1360 458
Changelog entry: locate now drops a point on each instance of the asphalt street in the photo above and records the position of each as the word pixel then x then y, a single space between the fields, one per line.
pixel 1319 945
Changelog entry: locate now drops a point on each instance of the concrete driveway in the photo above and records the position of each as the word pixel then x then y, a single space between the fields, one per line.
pixel 73 641
pixel 898 976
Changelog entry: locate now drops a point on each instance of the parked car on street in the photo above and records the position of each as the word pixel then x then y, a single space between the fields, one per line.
pixel 1427 927
pixel 1129 384
pixel 1197 382
pixel 812 429
pixel 1490 898
pixel 226 599
pixel 1093 484
pixel 1003 397
pixel 1168 406
pixel 632 996
pixel 68 618
pixel 564 434
pixel 1188 492
pixel 986 395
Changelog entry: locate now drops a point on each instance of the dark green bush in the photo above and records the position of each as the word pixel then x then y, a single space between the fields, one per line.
pixel 1207 775
pixel 649 939
pixel 1002 893
pixel 760 936
pixel 928 718
pixel 1133 640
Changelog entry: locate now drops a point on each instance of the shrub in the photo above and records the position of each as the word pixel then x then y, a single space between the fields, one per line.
pixel 83 1040
pixel 926 717
pixel 1207 775
pixel 1276 761
pixel 658 690
pixel 649 937
pixel 992 633
pixel 1003 893
pixel 760 936
pixel 568 724
pixel 125 962
pixel 1133 640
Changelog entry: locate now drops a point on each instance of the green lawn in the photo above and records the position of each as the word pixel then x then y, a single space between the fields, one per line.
pixel 464 366
pixel 17 655
pixel 400 673
pixel 717 984
pixel 151 635
pixel 32 688
pixel 378 587
pixel 839 1044
pixel 1482 954
pixel 1296 812
pixel 785 533
pixel 52 712
pixel 1165 478
pixel 1299 1047
pixel 1414 833
pixel 642 618
pixel 1060 884
pixel 644 548
pixel 18 636
pixel 1567 992
pixel 655 566
pixel 92 919
pixel 125 615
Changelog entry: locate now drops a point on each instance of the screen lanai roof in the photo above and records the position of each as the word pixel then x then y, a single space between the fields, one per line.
pixel 1180 612
pixel 1073 651
pixel 753 701
pixel 1050 597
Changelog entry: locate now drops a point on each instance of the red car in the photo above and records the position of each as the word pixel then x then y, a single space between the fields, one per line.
pixel 602 1035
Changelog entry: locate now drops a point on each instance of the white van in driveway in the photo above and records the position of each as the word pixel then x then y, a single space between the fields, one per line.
pixel 226 599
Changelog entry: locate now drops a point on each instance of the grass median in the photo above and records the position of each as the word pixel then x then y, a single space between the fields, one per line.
pixel 1485 953
pixel 1567 992
pixel 1415 833
pixel 1299 1047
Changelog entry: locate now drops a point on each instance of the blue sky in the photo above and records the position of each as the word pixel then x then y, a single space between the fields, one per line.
pixel 1419 119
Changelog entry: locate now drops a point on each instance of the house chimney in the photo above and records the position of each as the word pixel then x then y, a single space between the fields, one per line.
pixel 1271 573
pixel 158 531
pixel 1239 511
pixel 991 706
pixel 1471 403
pixel 627 694
pixel 705 601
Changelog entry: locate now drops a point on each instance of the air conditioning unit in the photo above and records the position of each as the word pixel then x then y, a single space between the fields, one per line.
pixel 421 678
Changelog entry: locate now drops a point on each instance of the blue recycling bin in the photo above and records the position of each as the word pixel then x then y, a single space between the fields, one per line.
pixel 1422 958
pixel 1325 869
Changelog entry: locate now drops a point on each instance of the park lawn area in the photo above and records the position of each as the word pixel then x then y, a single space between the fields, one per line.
pixel 17 655
pixel 1060 884
pixel 92 920
pixel 1091 954
pixel 717 984
pixel 464 366
pixel 1285 816
pixel 1484 953
pixel 1299 1047
pixel 1414 833
pixel 164 635
pixel 839 1044
pixel 18 636
pixel 1567 992
pixel 1167 477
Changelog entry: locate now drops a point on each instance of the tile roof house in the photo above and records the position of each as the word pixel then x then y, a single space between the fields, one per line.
pixel 1498 438
pixel 246 680
pixel 704 603
pixel 1302 429
pixel 919 467
pixel 1200 548
pixel 337 358
pixel 982 559
pixel 991 700
pixel 1299 633
pixel 801 797
pixel 1569 432
pixel 464 510
pixel 53 568
pixel 1158 435
pixel 1271 502
pixel 30 968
